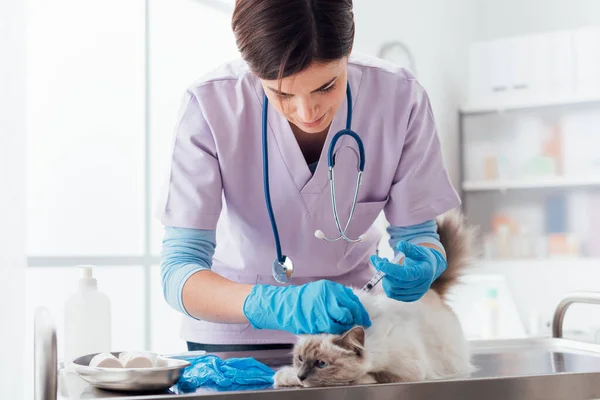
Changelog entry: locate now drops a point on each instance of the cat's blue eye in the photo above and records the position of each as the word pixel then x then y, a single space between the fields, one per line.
pixel 321 364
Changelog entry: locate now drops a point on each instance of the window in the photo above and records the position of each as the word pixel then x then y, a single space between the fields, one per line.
pixel 105 81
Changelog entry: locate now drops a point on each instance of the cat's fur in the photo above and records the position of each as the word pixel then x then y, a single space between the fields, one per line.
pixel 421 340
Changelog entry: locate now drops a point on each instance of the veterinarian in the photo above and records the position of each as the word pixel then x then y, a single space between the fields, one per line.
pixel 228 215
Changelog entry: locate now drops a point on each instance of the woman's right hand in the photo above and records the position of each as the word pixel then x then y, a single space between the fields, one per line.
pixel 316 307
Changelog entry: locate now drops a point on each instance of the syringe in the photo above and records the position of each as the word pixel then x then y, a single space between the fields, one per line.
pixel 379 275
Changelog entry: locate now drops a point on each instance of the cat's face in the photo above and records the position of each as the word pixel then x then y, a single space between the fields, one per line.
pixel 326 360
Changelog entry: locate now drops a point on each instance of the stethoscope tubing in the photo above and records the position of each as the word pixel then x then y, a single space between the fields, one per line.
pixel 281 258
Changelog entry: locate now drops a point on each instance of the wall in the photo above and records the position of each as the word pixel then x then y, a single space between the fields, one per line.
pixel 513 17
pixel 437 32
pixel 12 199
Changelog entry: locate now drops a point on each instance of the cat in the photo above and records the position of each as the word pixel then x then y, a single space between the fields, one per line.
pixel 421 340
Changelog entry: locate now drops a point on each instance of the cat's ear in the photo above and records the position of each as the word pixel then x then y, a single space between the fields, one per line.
pixel 353 340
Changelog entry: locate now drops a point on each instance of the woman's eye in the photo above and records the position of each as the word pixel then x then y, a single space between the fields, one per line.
pixel 328 89
pixel 321 364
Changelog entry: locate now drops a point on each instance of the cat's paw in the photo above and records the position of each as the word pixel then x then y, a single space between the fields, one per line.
pixel 286 377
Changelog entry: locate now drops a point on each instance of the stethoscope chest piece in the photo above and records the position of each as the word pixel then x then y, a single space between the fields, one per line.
pixel 282 272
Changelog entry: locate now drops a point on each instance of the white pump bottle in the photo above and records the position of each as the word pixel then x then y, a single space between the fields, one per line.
pixel 87 319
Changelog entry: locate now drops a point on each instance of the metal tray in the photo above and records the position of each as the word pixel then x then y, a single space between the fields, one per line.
pixel 163 375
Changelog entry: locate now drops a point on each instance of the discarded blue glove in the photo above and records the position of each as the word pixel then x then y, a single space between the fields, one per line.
pixel 420 268
pixel 213 387
pixel 228 374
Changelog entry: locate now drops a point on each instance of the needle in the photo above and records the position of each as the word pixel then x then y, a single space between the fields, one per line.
pixel 379 275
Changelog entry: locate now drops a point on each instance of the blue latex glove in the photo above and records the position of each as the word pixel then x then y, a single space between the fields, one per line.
pixel 316 307
pixel 228 374
pixel 410 281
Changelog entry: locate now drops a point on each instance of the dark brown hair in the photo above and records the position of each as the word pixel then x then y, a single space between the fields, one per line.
pixel 279 38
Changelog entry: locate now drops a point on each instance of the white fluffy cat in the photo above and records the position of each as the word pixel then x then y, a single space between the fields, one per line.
pixel 422 340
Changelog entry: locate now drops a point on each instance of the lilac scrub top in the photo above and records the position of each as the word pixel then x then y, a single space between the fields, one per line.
pixel 215 181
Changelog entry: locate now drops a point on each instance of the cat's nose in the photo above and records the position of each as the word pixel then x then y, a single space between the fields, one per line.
pixel 302 377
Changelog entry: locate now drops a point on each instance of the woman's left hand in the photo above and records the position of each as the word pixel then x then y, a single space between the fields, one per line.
pixel 411 280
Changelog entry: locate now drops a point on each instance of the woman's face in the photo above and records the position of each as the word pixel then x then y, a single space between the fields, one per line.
pixel 311 98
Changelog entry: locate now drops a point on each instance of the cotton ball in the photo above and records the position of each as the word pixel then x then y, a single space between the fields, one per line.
pixel 105 360
pixel 135 359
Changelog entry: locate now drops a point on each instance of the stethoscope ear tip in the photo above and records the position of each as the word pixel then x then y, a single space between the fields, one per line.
pixel 362 237
pixel 319 234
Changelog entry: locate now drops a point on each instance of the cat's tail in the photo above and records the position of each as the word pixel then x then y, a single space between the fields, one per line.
pixel 457 238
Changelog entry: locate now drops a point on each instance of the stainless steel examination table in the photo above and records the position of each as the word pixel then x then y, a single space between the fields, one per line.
pixel 537 368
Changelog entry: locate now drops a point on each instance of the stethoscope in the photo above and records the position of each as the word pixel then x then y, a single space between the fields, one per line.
pixel 283 268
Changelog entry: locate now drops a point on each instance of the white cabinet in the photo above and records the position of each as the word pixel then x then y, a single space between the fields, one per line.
pixel 529 140
pixel 530 181
pixel 542 67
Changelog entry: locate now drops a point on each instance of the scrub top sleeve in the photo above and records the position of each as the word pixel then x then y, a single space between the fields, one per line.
pixel 421 189
pixel 184 252
pixel 192 192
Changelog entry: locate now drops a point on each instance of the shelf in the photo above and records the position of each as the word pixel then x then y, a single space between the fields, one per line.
pixel 529 103
pixel 529 183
